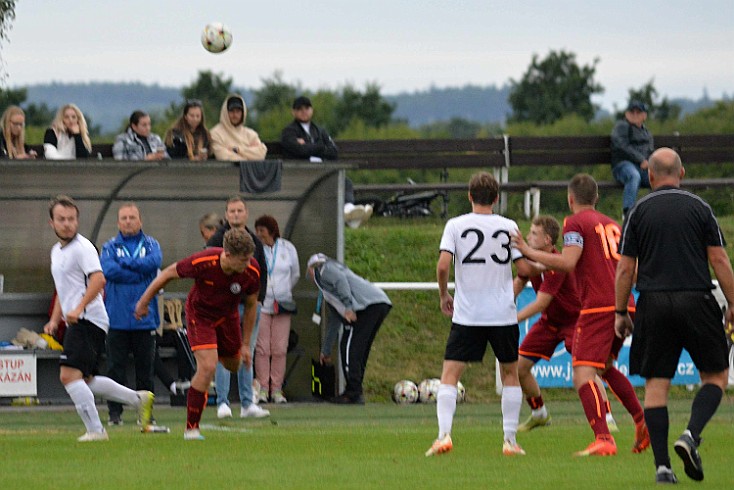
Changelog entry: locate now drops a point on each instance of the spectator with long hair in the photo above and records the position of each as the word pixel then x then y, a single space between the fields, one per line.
pixel 275 319
pixel 188 137
pixel 12 135
pixel 68 136
pixel 138 142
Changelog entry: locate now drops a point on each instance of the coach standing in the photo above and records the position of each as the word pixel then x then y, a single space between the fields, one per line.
pixel 673 235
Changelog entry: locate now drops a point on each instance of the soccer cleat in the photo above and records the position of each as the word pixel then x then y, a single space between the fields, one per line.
pixel 193 435
pixel 532 422
pixel 155 429
pixel 223 411
pixel 665 475
pixel 642 438
pixel 94 436
pixel 440 446
pixel 145 410
pixel 512 449
pixel 278 397
pixel 254 411
pixel 611 423
pixel 687 450
pixel 600 447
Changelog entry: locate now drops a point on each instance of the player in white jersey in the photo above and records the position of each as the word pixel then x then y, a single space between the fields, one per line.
pixel 483 310
pixel 79 282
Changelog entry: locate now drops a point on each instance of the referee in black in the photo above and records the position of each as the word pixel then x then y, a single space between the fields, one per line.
pixel 672 236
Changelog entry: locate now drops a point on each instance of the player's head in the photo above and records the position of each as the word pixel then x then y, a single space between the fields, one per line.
pixel 64 215
pixel 236 212
pixel 665 168
pixel 238 249
pixel 208 225
pixel 128 219
pixel 544 232
pixel 582 190
pixel 483 189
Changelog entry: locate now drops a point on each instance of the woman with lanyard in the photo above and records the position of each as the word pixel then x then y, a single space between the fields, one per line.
pixel 278 306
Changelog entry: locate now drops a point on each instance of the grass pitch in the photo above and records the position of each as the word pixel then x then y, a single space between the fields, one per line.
pixel 325 446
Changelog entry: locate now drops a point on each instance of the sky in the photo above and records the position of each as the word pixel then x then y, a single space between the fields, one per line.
pixel 404 46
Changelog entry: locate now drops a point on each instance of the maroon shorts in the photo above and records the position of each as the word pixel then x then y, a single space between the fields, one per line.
pixel 224 334
pixel 594 340
pixel 542 339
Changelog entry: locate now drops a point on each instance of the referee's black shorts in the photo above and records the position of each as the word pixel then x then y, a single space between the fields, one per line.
pixel 468 344
pixel 667 322
pixel 84 343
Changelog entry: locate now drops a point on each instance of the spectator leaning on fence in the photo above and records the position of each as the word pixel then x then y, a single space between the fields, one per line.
pixel 137 142
pixel 188 137
pixel 631 146
pixel 68 136
pixel 12 135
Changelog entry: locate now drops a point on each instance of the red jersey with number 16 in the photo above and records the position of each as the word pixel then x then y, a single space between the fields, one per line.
pixel 216 294
pixel 598 235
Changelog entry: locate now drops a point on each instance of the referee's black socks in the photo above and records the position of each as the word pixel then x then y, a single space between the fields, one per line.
pixel 703 408
pixel 658 426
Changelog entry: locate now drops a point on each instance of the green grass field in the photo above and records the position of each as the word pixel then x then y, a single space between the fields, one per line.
pixel 324 446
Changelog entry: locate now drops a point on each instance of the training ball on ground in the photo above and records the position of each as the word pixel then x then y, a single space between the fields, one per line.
pixel 428 390
pixel 216 37
pixel 405 392
pixel 460 393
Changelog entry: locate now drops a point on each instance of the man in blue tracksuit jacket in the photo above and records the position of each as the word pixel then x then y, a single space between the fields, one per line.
pixel 130 262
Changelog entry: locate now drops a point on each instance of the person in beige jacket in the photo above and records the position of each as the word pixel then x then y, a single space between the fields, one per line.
pixel 231 139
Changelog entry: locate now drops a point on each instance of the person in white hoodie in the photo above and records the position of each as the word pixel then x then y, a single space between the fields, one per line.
pixel 231 139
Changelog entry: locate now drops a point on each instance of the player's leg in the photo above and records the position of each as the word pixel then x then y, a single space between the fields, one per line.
pixel 206 365
pixel 625 393
pixel 505 344
pixel 539 416
pixel 611 423
pixel 446 406
pixel 595 410
pixel 657 420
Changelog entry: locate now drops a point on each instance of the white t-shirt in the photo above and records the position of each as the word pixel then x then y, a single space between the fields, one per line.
pixel 71 266
pixel 483 256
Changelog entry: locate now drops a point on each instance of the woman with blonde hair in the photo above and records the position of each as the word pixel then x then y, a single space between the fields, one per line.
pixel 188 137
pixel 12 135
pixel 68 136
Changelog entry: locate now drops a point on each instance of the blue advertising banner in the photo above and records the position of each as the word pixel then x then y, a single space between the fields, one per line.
pixel 557 373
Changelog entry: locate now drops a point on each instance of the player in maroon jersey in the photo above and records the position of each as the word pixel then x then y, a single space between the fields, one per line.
pixel 590 241
pixel 222 276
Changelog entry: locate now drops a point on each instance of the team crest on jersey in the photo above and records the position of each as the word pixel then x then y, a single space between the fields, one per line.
pixel 235 288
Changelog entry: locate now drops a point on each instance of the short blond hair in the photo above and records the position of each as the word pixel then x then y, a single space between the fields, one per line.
pixel 238 242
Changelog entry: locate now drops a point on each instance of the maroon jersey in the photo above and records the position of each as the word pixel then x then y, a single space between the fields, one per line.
pixel 599 236
pixel 564 309
pixel 215 294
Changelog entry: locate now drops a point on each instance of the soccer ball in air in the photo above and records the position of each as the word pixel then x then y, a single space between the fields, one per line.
pixel 428 389
pixel 405 392
pixel 216 37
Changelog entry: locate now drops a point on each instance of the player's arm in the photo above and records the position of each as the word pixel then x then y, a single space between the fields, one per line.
pixel 168 274
pixel 53 322
pixel 622 287
pixel 443 268
pixel 518 284
pixel 541 302
pixel 248 325
pixel 722 269
pixel 95 285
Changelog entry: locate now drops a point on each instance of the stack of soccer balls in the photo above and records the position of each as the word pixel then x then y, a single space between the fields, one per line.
pixel 406 392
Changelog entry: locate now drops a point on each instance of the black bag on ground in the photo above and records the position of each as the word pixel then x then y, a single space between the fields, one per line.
pixel 323 380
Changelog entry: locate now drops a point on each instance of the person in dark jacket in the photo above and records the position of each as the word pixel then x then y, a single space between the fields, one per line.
pixel 188 137
pixel 236 217
pixel 130 262
pixel 631 146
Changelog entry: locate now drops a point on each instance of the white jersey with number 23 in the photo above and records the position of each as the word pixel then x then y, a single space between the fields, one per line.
pixel 483 256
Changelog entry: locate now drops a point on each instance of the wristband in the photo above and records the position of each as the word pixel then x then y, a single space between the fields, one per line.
pixel 620 312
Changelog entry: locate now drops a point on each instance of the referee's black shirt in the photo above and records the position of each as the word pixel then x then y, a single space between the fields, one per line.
pixel 668 232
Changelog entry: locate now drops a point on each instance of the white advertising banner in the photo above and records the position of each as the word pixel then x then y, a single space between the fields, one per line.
pixel 18 375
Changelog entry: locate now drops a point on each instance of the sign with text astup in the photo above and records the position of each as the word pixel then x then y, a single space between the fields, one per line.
pixel 18 375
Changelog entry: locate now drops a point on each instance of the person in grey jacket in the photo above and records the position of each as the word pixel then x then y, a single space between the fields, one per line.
pixel 360 307
pixel 137 142
pixel 631 146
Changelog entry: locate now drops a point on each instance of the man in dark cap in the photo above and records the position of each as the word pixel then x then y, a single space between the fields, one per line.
pixel 304 140
pixel 631 146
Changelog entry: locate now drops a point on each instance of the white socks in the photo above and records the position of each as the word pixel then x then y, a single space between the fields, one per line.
pixel 110 390
pixel 539 413
pixel 511 404
pixel 83 400
pixel 445 408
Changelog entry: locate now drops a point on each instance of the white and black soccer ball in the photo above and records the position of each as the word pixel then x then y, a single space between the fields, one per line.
pixel 405 392
pixel 460 393
pixel 216 37
pixel 428 390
